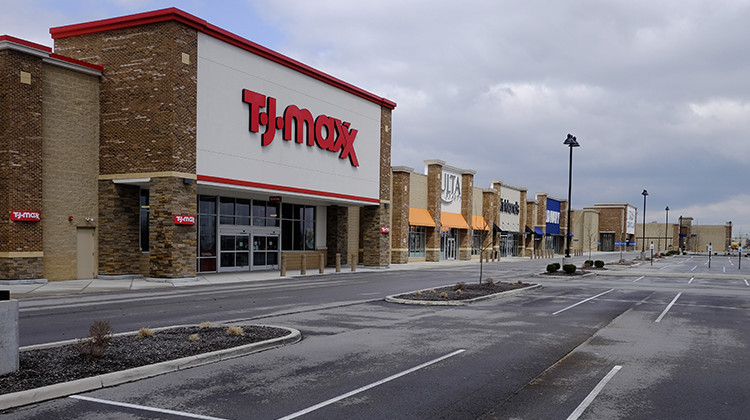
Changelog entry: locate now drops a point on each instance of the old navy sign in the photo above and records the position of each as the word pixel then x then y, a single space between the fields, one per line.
pixel 553 217
pixel 326 132
pixel 25 216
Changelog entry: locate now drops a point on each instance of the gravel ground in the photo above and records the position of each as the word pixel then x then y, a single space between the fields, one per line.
pixel 61 364
pixel 467 291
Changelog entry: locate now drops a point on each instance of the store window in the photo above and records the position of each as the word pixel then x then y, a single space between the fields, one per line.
pixel 476 242
pixel 417 241
pixel 144 216
pixel 297 227
pixel 206 233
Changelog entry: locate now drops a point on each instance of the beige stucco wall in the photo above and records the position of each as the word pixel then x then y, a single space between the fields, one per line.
pixel 70 131
pixel 585 228
pixel 478 201
pixel 418 191
pixel 705 234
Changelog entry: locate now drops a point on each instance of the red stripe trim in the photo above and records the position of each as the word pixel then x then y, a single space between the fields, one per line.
pixel 218 33
pixel 229 181
pixel 25 43
pixel 76 62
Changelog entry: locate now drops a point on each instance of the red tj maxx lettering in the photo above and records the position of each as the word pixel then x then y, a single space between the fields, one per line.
pixel 328 133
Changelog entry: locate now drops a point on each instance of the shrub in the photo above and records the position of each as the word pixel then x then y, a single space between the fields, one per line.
pixel 205 324
pixel 444 295
pixel 100 335
pixel 418 293
pixel 458 292
pixel 520 282
pixel 589 263
pixel 460 286
pixel 194 337
pixel 145 333
pixel 569 268
pixel 551 268
pixel 598 263
pixel 235 330
pixel 490 282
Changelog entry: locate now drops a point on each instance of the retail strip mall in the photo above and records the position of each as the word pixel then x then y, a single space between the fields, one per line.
pixel 160 145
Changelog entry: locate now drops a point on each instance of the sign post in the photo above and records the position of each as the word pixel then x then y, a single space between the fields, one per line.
pixel 710 249
pixel 739 260
pixel 652 252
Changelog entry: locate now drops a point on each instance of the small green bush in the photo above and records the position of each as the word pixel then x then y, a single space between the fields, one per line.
pixel 590 263
pixel 598 263
pixel 569 268
pixel 551 268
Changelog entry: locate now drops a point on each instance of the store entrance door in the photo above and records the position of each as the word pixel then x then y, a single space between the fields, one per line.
pixel 448 245
pixel 234 249
pixel 265 252
pixel 608 242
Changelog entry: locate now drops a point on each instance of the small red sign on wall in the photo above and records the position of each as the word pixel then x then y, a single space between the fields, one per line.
pixel 183 219
pixel 385 229
pixel 25 216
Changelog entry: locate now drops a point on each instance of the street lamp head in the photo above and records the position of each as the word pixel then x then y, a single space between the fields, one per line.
pixel 644 193
pixel 571 141
pixel 667 209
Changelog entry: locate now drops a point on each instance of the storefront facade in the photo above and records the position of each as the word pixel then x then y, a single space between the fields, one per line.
pixel 617 226
pixel 509 230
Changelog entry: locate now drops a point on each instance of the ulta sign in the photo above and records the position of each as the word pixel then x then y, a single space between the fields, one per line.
pixel 326 132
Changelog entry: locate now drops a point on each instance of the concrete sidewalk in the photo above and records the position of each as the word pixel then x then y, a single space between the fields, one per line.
pixel 22 289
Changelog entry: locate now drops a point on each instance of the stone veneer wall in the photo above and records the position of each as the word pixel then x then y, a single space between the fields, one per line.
pixel 434 187
pixel 491 212
pixel 119 229
pixel 400 214
pixel 467 211
pixel 337 220
pixel 172 247
pixel 71 166
pixel 21 249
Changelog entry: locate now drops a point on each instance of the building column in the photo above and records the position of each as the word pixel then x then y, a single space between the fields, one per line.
pixel 119 229
pixel 400 215
pixel 337 238
pixel 467 211
pixel 434 203
pixel 172 246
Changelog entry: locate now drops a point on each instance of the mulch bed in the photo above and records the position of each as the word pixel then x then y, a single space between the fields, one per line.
pixel 468 291
pixel 42 367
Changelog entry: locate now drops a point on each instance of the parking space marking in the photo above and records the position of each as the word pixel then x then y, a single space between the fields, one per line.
pixel 594 392
pixel 144 408
pixel 746 283
pixel 693 269
pixel 372 385
pixel 691 280
pixel 583 301
pixel 636 280
pixel 668 307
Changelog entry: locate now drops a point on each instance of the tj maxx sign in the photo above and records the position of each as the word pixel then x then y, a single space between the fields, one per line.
pixel 326 132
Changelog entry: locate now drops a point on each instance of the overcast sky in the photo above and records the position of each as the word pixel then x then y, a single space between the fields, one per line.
pixel 657 92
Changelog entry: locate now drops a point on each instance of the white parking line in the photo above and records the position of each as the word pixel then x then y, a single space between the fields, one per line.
pixel 668 307
pixel 691 280
pixel 594 392
pixel 746 283
pixel 692 269
pixel 583 301
pixel 372 385
pixel 634 281
pixel 144 408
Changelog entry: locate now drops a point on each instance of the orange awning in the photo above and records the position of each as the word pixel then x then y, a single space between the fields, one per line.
pixel 420 217
pixel 478 223
pixel 453 220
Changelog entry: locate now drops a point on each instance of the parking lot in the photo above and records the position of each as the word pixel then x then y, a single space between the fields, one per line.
pixel 661 341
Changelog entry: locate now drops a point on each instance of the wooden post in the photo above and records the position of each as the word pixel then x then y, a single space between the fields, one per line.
pixel 338 262
pixel 303 264
pixel 354 262
pixel 283 265
pixel 322 263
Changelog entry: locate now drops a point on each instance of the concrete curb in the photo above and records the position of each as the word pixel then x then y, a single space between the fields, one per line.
pixel 394 299
pixel 563 276
pixel 64 389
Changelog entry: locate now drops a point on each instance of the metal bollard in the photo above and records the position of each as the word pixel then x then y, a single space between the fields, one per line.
pixel 303 264
pixel 338 262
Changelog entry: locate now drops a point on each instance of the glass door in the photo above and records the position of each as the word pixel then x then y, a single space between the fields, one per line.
pixel 234 252
pixel 265 252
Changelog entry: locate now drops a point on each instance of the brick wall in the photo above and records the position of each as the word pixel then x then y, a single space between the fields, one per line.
pixel 434 185
pixel 467 211
pixel 336 233
pixel 119 229
pixel 71 165
pixel 20 165
pixel 173 248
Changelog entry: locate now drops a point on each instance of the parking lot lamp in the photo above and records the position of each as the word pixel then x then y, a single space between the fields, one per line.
pixel 571 142
pixel 643 236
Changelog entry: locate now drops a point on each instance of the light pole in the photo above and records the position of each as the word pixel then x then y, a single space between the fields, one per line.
pixel 571 142
pixel 643 236
pixel 666 231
